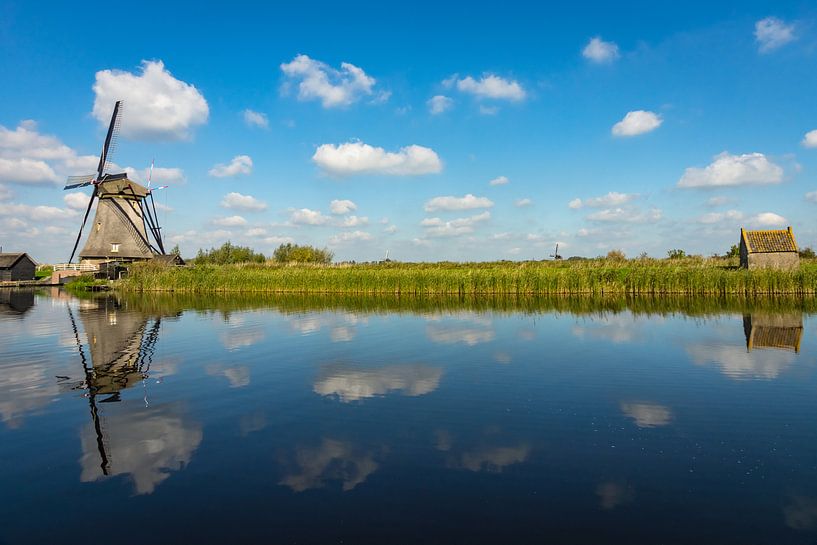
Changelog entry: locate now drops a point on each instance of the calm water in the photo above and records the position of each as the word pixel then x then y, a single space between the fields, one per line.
pixel 364 421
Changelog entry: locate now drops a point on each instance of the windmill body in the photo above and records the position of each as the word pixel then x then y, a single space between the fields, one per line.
pixel 118 231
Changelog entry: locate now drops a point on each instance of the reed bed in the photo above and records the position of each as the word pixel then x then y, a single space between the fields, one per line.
pixel 718 277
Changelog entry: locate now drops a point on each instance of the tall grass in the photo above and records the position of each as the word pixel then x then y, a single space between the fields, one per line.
pixel 690 276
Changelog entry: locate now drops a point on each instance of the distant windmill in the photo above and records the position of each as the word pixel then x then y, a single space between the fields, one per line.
pixel 555 255
pixel 123 217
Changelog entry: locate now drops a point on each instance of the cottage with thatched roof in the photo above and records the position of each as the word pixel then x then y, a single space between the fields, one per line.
pixel 17 267
pixel 774 249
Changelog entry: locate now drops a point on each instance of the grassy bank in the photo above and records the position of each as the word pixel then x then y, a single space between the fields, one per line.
pixel 691 276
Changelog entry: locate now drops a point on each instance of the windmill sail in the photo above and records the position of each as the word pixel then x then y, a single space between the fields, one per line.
pixel 74 182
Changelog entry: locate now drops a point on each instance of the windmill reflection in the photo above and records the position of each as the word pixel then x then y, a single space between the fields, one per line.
pixel 783 331
pixel 143 441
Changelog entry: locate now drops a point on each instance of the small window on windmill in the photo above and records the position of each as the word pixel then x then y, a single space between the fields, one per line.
pixel 98 226
pixel 114 247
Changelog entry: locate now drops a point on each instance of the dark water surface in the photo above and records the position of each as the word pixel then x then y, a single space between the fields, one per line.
pixel 291 420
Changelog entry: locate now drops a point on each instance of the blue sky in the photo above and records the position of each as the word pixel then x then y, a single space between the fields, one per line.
pixel 637 127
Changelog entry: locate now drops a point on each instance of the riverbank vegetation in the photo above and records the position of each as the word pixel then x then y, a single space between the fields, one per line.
pixel 641 276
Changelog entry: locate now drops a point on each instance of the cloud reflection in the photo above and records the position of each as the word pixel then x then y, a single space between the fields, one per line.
pixel 24 388
pixel 801 513
pixel 612 494
pixel 351 383
pixel 647 415
pixel 738 363
pixel 494 459
pixel 147 444
pixel 237 375
pixel 332 461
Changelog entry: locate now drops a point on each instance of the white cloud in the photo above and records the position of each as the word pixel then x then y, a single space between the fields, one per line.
pixel 277 240
pixel 626 215
pixel 340 207
pixel 449 203
pixel 488 110
pixel 359 158
pixel 718 200
pixel 36 213
pixel 77 200
pixel 349 236
pixel 733 170
pixel 810 139
pixel 390 230
pixel 435 227
pixel 157 105
pixel 230 221
pixel 305 216
pixel 599 51
pixel 5 193
pixel 256 232
pixel 334 88
pixel 812 196
pixel 439 104
pixel 637 122
pixel 772 33
pixel 255 119
pixel 521 203
pixel 27 171
pixel 353 221
pixel 500 180
pixel 717 217
pixel 493 87
pixel 160 176
pixel 612 198
pixel 26 142
pixel 243 202
pixel 769 219
pixel 241 164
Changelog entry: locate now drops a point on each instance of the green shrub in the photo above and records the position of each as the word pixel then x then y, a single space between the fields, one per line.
pixel 293 253
pixel 228 254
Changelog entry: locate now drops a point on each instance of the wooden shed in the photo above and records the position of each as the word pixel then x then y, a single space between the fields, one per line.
pixel 774 249
pixel 17 267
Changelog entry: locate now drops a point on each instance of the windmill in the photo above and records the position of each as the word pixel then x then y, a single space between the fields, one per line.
pixel 125 212
pixel 555 255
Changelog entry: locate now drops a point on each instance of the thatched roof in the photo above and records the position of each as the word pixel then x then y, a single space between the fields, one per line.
pixel 770 241
pixel 7 261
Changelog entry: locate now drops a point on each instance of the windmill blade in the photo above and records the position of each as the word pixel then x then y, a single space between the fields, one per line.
pixel 150 174
pixel 158 188
pixel 113 130
pixel 74 182
pixel 87 211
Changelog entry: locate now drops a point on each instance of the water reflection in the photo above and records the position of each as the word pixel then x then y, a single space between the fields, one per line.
pixel 137 439
pixel 779 330
pixel 331 461
pixel 647 415
pixel 15 303
pixel 613 494
pixel 349 383
pixel 485 412
pixel 147 444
